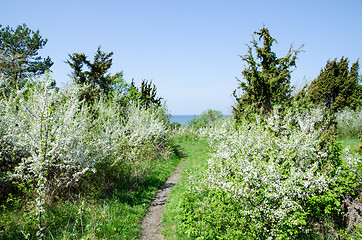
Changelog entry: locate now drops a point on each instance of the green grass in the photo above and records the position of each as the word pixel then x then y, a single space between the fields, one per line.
pixel 196 155
pixel 116 216
pixel 353 143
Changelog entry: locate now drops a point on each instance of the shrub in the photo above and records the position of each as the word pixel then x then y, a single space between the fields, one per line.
pixel 206 119
pixel 51 128
pixel 53 145
pixel 272 180
pixel 349 122
pixel 51 135
pixel 127 145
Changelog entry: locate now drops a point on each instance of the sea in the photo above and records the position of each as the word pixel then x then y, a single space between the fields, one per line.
pixel 183 119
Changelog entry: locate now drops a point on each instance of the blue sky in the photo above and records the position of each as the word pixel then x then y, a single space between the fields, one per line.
pixel 190 49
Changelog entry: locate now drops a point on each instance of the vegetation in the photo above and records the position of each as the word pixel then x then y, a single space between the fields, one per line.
pixel 337 86
pixel 283 177
pixel 90 147
pixel 196 152
pixel 275 172
pixel 96 79
pixel 19 55
pixel 206 119
pixel 84 161
pixel 267 77
pixel 145 95
pixel 116 215
pixel 68 152
pixel 349 122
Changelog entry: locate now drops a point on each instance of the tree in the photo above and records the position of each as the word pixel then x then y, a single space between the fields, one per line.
pixel 206 119
pixel 19 54
pixel 336 86
pixel 146 95
pixel 267 77
pixel 95 77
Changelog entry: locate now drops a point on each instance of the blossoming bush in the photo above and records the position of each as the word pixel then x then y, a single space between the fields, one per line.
pixel 51 128
pixel 349 122
pixel 54 141
pixel 53 146
pixel 273 179
pixel 128 141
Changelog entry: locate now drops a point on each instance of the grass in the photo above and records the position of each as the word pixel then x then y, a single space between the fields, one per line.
pixel 352 143
pixel 115 216
pixel 196 155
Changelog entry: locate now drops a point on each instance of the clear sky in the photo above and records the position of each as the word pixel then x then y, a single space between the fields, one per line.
pixel 190 48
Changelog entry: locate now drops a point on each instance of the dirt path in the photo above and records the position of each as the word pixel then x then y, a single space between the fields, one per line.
pixel 151 224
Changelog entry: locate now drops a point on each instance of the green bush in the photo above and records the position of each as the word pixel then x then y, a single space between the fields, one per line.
pixel 54 145
pixel 273 179
pixel 349 122
pixel 206 119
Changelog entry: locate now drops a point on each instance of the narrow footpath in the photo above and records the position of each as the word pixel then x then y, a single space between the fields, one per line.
pixel 151 224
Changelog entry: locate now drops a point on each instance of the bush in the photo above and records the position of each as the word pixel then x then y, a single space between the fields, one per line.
pixel 206 119
pixel 128 145
pixel 52 144
pixel 52 129
pixel 349 122
pixel 272 180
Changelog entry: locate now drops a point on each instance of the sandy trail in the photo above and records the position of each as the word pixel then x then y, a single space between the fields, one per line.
pixel 151 224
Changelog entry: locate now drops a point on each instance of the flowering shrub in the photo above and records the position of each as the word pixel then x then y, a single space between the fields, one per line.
pixel 144 125
pixel 349 122
pixel 50 126
pixel 270 179
pixel 63 140
pixel 52 144
pixel 128 144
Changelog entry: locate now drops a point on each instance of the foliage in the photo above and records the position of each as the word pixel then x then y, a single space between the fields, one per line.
pixel 96 78
pixel 349 122
pixel 145 95
pixel 195 153
pixel 53 146
pixel 115 216
pixel 272 180
pixel 206 119
pixel 267 77
pixel 50 126
pixel 337 86
pixel 19 55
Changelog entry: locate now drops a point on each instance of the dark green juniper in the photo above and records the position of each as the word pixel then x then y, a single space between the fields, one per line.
pixel 337 86
pixel 95 76
pixel 267 77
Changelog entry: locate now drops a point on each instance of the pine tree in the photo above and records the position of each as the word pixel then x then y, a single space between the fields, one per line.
pixel 19 54
pixel 337 86
pixel 267 77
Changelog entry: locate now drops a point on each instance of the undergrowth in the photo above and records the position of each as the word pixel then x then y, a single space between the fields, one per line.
pixel 113 216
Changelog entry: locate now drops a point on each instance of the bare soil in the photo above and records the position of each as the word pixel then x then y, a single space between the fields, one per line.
pixel 151 224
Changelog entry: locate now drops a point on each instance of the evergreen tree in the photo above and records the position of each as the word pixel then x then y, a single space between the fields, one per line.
pixel 146 95
pixel 267 77
pixel 337 86
pixel 19 54
pixel 95 76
